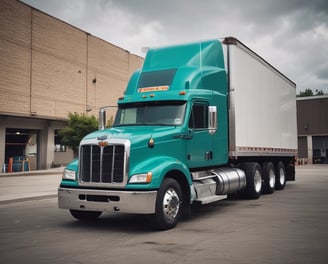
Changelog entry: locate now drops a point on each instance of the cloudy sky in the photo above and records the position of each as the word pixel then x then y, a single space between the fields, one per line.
pixel 291 34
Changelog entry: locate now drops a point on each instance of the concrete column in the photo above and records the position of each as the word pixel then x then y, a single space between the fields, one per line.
pixel 2 145
pixel 47 137
pixel 310 149
pixel 50 147
pixel 42 150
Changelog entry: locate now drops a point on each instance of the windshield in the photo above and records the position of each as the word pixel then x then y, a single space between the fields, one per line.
pixel 167 113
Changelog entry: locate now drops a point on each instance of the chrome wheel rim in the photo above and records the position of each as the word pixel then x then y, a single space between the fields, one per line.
pixel 272 179
pixel 171 204
pixel 282 176
pixel 257 181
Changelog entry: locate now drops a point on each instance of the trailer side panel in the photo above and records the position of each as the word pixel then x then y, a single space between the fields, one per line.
pixel 262 113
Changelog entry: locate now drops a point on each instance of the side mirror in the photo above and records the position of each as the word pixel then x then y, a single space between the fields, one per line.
pixel 212 122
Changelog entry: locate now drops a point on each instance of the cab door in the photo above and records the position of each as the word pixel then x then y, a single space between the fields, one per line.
pixel 199 145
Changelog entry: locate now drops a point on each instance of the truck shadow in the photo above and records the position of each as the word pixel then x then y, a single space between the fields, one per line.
pixel 219 207
pixel 131 223
pixel 134 223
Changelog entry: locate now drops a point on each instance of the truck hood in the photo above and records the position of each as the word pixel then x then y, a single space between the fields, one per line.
pixel 136 134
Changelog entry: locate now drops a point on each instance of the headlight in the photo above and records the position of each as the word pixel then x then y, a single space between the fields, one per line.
pixel 141 178
pixel 69 175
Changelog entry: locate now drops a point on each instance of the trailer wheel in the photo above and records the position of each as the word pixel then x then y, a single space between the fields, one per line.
pixel 269 178
pixel 168 205
pixel 85 215
pixel 253 180
pixel 280 176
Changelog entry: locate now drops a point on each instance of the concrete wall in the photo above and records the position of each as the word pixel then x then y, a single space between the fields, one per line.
pixel 312 118
pixel 312 124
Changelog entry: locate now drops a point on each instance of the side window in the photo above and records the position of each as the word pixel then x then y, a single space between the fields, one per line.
pixel 199 116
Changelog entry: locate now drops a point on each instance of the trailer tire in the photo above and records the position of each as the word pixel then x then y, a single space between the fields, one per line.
pixel 85 215
pixel 269 178
pixel 253 173
pixel 280 176
pixel 168 205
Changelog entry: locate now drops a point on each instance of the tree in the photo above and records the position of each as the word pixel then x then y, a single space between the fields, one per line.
pixel 319 92
pixel 307 92
pixel 78 126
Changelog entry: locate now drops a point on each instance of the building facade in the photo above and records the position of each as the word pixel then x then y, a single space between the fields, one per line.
pixel 312 129
pixel 48 69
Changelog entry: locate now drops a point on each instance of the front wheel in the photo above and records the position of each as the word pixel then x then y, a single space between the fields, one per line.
pixel 168 205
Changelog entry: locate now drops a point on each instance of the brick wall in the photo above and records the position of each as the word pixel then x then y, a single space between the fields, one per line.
pixel 50 68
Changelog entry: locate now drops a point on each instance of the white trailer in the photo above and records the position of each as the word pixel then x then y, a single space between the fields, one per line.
pixel 262 105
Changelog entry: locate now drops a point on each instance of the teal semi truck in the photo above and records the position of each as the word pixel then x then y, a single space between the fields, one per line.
pixel 197 123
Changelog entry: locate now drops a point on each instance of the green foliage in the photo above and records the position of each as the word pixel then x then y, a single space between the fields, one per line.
pixel 309 92
pixel 319 92
pixel 78 126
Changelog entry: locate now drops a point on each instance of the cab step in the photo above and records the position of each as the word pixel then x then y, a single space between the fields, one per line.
pixel 210 199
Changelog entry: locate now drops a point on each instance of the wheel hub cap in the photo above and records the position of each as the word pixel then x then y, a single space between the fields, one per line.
pixel 171 204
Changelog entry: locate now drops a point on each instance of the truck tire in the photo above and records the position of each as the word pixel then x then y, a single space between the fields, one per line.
pixel 168 205
pixel 280 176
pixel 253 173
pixel 269 178
pixel 85 215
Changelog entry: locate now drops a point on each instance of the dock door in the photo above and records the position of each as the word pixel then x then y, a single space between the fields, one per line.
pixel 21 149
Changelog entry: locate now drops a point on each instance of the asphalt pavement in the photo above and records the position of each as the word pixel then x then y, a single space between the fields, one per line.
pixel 289 227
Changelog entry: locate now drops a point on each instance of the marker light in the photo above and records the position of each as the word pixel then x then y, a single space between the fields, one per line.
pixel 151 143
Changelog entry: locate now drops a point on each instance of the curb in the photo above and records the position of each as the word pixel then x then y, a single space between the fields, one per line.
pixel 26 199
pixel 33 173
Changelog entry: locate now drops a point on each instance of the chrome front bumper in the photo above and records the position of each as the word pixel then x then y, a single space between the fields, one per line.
pixel 140 202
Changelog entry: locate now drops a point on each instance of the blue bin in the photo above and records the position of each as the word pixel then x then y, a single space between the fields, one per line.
pixel 20 164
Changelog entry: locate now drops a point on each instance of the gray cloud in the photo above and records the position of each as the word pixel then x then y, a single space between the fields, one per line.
pixel 292 35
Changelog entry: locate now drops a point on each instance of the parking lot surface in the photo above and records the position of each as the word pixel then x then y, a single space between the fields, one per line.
pixel 289 226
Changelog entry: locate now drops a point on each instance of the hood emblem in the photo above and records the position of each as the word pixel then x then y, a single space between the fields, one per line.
pixel 102 137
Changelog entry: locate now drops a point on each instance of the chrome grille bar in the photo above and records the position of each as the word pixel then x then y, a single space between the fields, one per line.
pixel 99 165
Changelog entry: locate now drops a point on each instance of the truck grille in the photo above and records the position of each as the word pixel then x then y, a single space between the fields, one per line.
pixel 102 164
